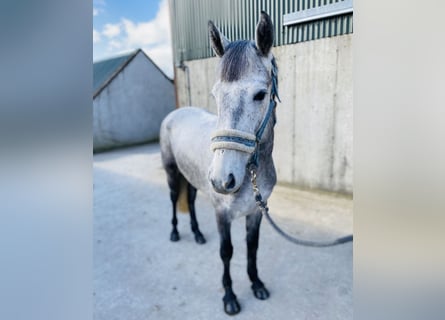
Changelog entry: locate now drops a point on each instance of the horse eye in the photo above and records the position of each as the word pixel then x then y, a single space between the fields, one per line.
pixel 259 96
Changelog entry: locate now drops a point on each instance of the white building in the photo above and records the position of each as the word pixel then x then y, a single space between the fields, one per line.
pixel 131 98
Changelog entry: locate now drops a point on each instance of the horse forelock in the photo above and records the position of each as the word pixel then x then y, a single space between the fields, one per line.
pixel 239 58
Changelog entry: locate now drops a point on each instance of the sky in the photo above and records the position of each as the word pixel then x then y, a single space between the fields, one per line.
pixel 123 26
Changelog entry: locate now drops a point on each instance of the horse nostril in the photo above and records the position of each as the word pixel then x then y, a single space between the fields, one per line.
pixel 230 184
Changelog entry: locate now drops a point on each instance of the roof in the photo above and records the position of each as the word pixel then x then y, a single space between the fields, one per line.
pixel 106 70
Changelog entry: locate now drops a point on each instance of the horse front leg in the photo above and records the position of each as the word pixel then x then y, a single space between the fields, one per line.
pixel 253 222
pixel 231 305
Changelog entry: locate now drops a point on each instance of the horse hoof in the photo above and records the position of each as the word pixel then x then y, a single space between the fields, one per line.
pixel 199 238
pixel 260 291
pixel 174 236
pixel 232 307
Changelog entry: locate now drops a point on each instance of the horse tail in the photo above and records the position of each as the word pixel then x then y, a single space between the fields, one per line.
pixel 183 205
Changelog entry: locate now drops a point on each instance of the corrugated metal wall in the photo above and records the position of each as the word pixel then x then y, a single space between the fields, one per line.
pixel 237 20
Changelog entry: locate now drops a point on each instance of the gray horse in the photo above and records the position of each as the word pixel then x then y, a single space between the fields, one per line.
pixel 210 153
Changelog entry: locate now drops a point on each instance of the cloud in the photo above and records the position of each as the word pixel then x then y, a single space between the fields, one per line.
pixel 95 12
pixel 152 36
pixel 96 36
pixel 114 44
pixel 153 32
pixel 156 31
pixel 111 30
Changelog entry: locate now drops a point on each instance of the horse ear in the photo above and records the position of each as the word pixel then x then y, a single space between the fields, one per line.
pixel 264 34
pixel 218 41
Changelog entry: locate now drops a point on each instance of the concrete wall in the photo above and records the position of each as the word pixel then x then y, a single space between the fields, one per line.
pixel 313 141
pixel 130 109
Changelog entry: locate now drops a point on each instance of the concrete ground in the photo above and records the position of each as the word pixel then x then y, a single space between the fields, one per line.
pixel 139 274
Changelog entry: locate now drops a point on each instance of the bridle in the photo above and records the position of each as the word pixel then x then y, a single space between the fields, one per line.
pixel 246 142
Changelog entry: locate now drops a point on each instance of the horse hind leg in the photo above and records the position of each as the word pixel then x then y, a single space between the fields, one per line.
pixel 174 182
pixel 191 196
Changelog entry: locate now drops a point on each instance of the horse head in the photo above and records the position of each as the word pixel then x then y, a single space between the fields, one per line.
pixel 243 95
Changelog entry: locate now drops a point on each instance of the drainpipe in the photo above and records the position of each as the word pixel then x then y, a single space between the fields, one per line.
pixel 185 68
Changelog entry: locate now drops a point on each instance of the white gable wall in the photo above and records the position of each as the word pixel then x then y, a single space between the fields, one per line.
pixel 131 108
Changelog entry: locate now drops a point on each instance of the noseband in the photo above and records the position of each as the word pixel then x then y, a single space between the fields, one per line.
pixel 233 139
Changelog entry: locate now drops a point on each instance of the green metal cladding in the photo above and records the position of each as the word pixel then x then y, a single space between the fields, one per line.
pixel 237 19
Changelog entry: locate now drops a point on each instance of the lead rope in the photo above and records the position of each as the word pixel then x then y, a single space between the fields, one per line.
pixel 262 205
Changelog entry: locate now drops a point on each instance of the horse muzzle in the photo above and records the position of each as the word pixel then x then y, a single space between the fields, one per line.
pixel 232 149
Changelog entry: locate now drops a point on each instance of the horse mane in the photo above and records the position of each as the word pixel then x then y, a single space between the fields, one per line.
pixel 238 59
